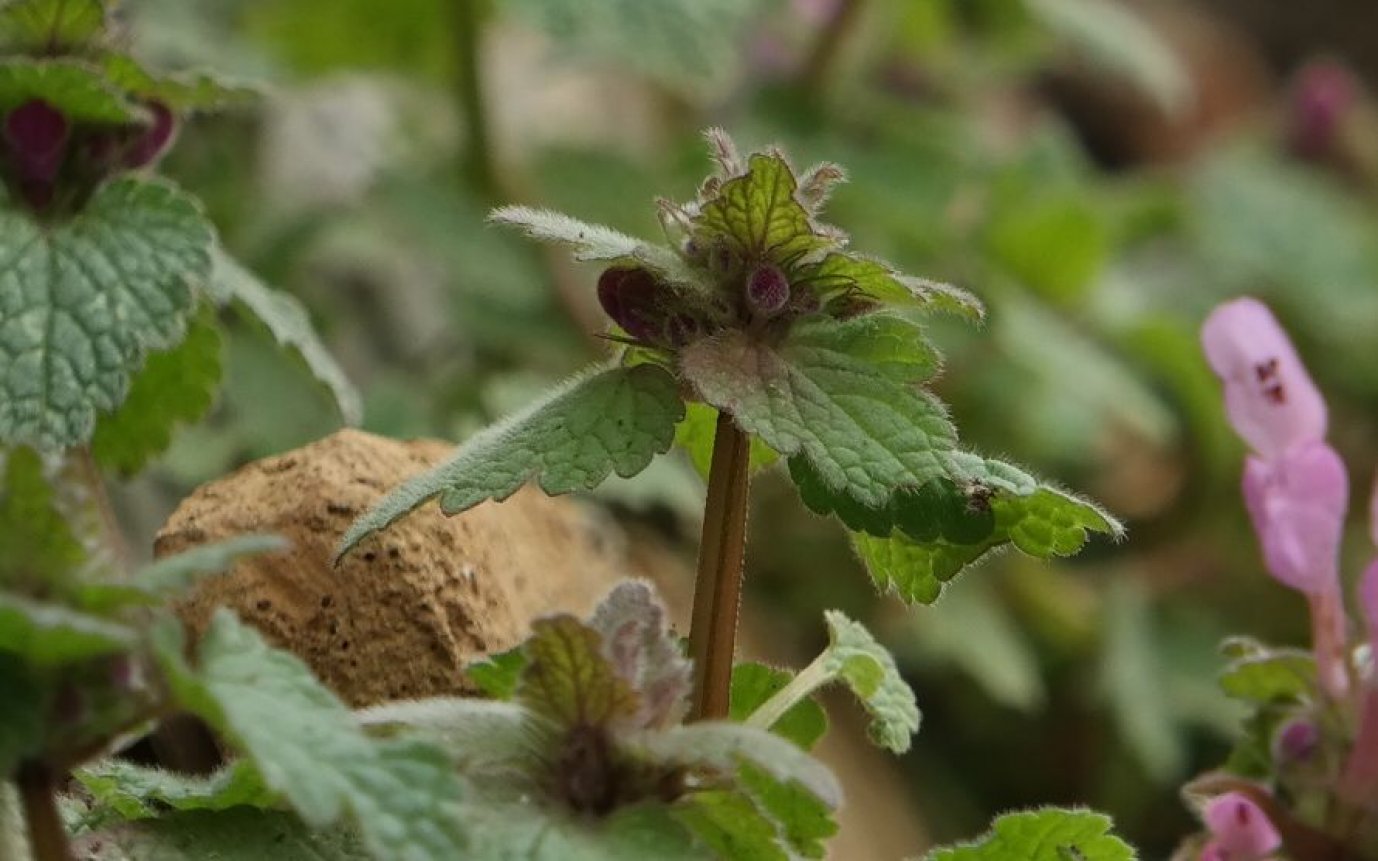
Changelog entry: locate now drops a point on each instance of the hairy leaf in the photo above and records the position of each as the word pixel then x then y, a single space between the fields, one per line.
pixel 131 791
pixel 175 386
pixel 1049 834
pixel 481 737
pixel 803 820
pixel 177 573
pixel 183 91
pixel 731 825
pixel 306 744
pixel 867 668
pixel 759 216
pixel 840 273
pixel 40 549
pixel 695 435
pixel 568 680
pixel 596 242
pixel 52 635
pixel 644 652
pixel 289 324
pixel 752 684
pixel 79 91
pixel 613 420
pixel 240 834
pixel 50 26
pixel 1271 675
pixel 82 303
pixel 721 747
pixel 517 830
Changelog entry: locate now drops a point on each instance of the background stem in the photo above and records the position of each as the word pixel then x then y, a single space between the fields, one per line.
pixel 718 589
pixel 38 797
pixel 478 155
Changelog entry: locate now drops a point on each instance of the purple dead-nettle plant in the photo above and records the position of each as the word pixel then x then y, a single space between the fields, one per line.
pixel 1304 779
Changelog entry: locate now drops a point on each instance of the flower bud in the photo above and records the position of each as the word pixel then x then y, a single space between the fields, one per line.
pixel 1241 828
pixel 1296 742
pixel 767 290
pixel 628 296
pixel 37 135
pixel 1324 95
pixel 155 139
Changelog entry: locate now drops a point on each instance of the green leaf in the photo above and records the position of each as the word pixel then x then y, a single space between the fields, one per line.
pixel 497 676
pixel 306 744
pixel 695 435
pixel 867 430
pixel 867 668
pixel 510 830
pixel 50 26
pixel 481 738
pixel 1050 834
pixel 23 722
pixel 52 635
pixel 177 573
pixel 721 747
pixel 596 242
pixel 1273 675
pixel 14 839
pixel 40 549
pixel 752 684
pixel 287 321
pixel 183 91
pixel 567 679
pixel 175 386
pixel 804 822
pixel 853 274
pixel 731 825
pixel 79 91
pixel 759 216
pixel 613 420
pixel 240 834
pixel 1056 244
pixel 130 791
pixel 82 303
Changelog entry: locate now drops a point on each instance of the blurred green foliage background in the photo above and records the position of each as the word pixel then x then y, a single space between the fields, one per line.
pixel 1100 173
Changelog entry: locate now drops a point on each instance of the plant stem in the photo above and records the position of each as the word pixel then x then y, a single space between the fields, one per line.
pixel 88 474
pixel 816 66
pixel 478 156
pixel 808 680
pixel 38 796
pixel 718 589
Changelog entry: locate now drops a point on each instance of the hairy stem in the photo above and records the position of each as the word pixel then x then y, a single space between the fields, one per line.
pixel 88 475
pixel 808 680
pixel 38 797
pixel 718 589
pixel 478 154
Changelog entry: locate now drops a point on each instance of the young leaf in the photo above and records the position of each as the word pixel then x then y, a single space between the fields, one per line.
pixel 81 93
pixel 803 821
pixel 644 653
pixel 174 386
pixel 849 273
pixel 239 834
pixel 177 573
pixel 498 676
pixel 752 684
pixel 695 435
pixel 1273 675
pixel 567 679
pixel 596 242
pixel 82 303
pixel 759 216
pixel 40 549
pixel 612 420
pixel 52 635
pixel 732 826
pixel 820 395
pixel 186 91
pixel 307 745
pixel 1049 834
pixel 50 26
pixel 869 670
pixel 287 320
pixel 131 791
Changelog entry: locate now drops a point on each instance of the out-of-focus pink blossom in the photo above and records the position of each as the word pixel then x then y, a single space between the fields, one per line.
pixel 1322 96
pixel 1297 503
pixel 1240 828
pixel 1270 398
pixel 1213 851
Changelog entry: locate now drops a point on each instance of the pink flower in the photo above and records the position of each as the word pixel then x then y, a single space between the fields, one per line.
pixel 1240 828
pixel 1297 503
pixel 1270 398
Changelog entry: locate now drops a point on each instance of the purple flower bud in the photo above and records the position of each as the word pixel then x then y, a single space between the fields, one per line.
pixel 37 135
pixel 155 139
pixel 767 290
pixel 1297 741
pixel 629 296
pixel 1324 94
pixel 1241 827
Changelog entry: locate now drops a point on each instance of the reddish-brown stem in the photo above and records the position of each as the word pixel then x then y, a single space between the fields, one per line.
pixel 718 589
pixel 38 796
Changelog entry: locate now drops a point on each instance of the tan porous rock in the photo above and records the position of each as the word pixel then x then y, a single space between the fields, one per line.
pixel 409 606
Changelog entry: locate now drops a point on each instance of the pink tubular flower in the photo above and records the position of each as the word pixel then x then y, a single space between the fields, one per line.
pixel 1241 831
pixel 1297 503
pixel 1270 398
